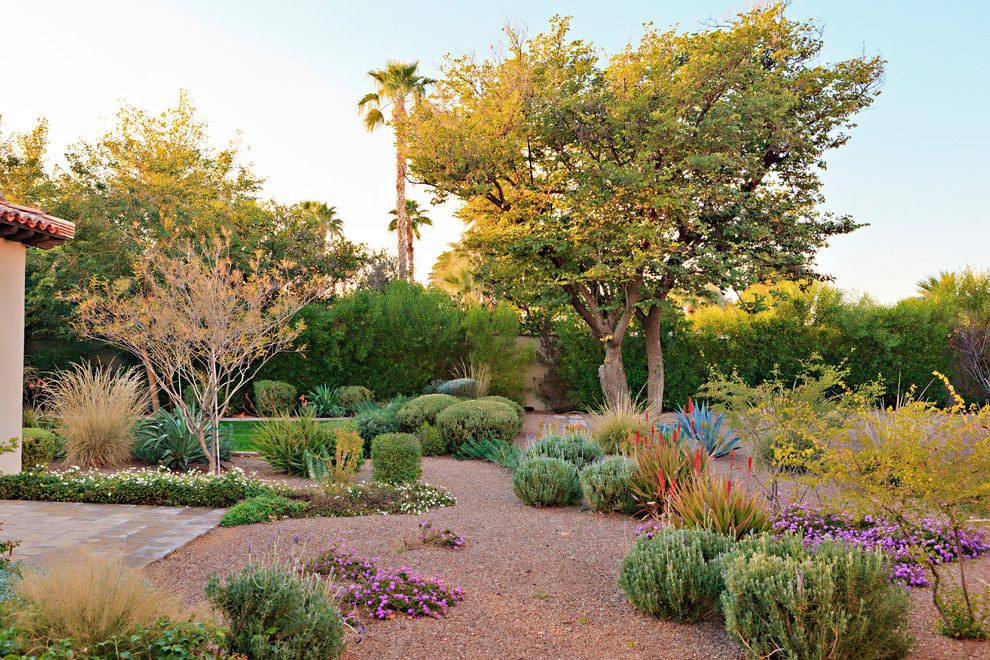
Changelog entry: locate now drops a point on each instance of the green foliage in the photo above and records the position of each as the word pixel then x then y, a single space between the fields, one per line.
pixel 168 441
pixel 393 341
pixel 284 442
pixel 716 504
pixel 465 388
pixel 39 447
pixel 395 458
pixel 156 487
pixel 675 575
pixel 520 411
pixel 374 421
pixel 322 402
pixel 961 621
pixel 835 603
pixel 478 419
pixel 274 397
pixel 275 613
pixel 350 396
pixel 575 448
pixel 261 508
pixel 491 336
pixel 605 485
pixel 547 482
pixel 431 440
pixel 424 410
pixel 492 450
pixel 372 498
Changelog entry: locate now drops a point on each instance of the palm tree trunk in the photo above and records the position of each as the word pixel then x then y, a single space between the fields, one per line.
pixel 402 218
pixel 409 254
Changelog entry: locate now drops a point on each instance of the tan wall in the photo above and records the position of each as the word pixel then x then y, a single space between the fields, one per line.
pixel 11 349
pixel 534 374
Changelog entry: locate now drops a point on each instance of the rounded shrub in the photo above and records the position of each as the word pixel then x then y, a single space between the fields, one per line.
pixel 274 613
pixel 395 458
pixel 675 575
pixel 39 447
pixel 431 441
pixel 520 411
pixel 374 422
pixel 466 388
pixel 476 420
pixel 274 397
pixel 605 485
pixel 351 396
pixel 575 448
pixel 547 482
pixel 837 602
pixel 262 508
pixel 424 410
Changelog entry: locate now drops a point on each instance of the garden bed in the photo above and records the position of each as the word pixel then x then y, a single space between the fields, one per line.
pixel 537 582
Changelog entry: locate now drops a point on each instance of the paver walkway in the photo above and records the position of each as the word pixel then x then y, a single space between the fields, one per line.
pixel 141 534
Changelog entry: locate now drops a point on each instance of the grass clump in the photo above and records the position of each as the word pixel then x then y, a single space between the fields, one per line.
pixel 396 458
pixel 717 504
pixel 675 575
pixel 547 482
pixel 98 410
pixel 614 426
pixel 605 485
pixel 492 450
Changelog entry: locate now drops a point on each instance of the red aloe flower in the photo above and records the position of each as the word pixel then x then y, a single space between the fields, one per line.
pixel 690 408
pixel 647 415
pixel 732 457
pixel 749 465
pixel 697 460
pixel 728 487
pixel 637 439
pixel 663 483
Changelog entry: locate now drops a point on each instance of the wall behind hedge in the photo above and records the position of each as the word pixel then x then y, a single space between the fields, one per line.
pixel 903 343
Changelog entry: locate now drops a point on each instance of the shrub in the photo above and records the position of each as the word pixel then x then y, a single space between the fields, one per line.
pixel 715 504
pixel 98 410
pixel 492 450
pixel 322 402
pixel 395 458
pixel 663 466
pixel 168 441
pixel 274 613
pixel 39 447
pixel 575 448
pixel 157 487
pixel 274 397
pixel 285 442
pixel 263 508
pixel 90 599
pixel 492 338
pixel 371 498
pixel 424 410
pixel 616 425
pixel 375 421
pixel 515 405
pixel 350 396
pixel 605 485
pixel 430 440
pixel 385 592
pixel 477 419
pixel 466 388
pixel 675 574
pixel 836 603
pixel 547 482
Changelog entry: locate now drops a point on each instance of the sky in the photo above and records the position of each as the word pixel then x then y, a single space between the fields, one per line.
pixel 284 77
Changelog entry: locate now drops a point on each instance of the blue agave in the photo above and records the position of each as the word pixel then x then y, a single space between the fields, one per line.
pixel 703 426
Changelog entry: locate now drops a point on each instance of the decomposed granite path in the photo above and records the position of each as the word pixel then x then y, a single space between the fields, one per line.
pixel 48 531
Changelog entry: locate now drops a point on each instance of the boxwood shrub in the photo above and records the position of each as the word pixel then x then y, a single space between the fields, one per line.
pixel 350 396
pixel 546 482
pixel 431 441
pixel 424 410
pixel 274 397
pixel 478 420
pixel 39 447
pixel 395 458
pixel 520 411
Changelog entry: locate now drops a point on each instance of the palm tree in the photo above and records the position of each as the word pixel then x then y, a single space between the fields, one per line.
pixel 453 272
pixel 397 83
pixel 417 218
pixel 323 214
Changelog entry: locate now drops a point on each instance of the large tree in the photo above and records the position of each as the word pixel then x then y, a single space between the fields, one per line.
pixel 396 86
pixel 684 161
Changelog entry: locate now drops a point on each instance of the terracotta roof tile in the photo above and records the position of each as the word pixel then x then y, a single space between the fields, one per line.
pixel 32 226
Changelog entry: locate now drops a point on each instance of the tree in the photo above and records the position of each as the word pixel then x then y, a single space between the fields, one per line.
pixel 417 218
pixel 201 326
pixel 323 215
pixel 454 272
pixel 395 85
pixel 686 161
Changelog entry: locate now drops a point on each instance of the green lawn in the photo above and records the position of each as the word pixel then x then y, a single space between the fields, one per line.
pixel 242 431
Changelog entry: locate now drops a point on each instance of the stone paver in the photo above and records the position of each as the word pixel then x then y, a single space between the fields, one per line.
pixel 49 531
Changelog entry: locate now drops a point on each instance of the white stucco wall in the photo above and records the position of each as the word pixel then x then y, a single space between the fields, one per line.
pixel 11 349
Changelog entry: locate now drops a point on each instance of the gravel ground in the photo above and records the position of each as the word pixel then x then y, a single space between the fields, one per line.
pixel 538 582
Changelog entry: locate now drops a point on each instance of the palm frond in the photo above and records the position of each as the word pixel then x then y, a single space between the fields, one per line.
pixel 373 119
pixel 371 98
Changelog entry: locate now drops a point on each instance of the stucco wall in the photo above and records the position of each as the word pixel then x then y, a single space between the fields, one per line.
pixel 11 349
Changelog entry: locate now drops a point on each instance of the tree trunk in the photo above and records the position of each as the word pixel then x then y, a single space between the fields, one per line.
pixel 152 387
pixel 409 254
pixel 402 218
pixel 612 374
pixel 651 323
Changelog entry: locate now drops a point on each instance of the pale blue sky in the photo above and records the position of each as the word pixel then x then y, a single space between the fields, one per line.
pixel 287 75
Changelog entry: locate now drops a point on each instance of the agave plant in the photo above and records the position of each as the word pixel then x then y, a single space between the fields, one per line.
pixel 322 402
pixel 703 426
pixel 167 440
